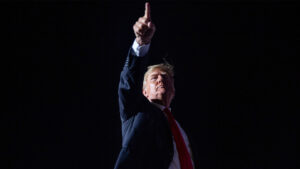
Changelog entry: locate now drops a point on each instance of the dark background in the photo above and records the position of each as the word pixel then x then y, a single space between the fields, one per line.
pixel 237 82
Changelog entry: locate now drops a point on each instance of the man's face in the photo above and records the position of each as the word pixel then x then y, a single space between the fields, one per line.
pixel 159 87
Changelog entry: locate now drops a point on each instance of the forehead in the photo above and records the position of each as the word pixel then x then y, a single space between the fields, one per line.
pixel 157 71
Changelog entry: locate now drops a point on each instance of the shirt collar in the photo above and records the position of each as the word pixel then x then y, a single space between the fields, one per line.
pixel 161 107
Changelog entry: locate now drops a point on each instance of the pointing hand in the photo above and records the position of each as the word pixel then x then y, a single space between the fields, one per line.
pixel 144 28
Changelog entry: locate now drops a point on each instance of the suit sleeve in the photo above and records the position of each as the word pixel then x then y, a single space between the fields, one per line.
pixel 130 85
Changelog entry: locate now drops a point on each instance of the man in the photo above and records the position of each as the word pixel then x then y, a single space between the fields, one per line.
pixel 152 139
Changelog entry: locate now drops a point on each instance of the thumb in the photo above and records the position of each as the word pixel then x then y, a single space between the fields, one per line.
pixel 151 25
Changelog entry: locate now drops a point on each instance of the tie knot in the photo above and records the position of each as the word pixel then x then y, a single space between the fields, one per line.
pixel 168 112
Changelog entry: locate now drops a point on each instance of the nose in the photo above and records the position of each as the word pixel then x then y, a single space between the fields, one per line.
pixel 160 78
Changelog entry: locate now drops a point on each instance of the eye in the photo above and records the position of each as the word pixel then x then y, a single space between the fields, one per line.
pixel 154 77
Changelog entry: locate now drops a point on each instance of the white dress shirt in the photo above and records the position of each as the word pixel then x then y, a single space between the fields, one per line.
pixel 141 51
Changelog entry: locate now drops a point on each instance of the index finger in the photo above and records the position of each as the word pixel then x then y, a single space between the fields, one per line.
pixel 147 11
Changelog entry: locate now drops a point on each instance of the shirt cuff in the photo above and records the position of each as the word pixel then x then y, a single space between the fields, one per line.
pixel 140 51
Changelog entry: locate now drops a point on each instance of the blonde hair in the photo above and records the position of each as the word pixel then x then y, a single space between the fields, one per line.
pixel 166 67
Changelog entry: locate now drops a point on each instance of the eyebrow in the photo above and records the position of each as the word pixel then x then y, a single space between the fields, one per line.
pixel 155 74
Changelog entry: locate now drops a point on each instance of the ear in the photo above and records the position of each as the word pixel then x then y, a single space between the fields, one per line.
pixel 145 93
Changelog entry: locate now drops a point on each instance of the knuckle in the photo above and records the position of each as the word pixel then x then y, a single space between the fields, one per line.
pixel 143 20
pixel 139 26
pixel 137 23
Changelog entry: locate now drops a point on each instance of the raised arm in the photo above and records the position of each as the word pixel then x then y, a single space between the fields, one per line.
pixel 131 79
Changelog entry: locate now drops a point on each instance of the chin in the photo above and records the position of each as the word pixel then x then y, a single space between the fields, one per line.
pixel 161 96
pixel 162 91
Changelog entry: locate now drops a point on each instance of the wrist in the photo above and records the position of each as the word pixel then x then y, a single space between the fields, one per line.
pixel 142 42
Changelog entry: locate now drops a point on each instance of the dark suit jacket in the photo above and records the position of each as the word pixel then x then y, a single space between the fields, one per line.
pixel 146 136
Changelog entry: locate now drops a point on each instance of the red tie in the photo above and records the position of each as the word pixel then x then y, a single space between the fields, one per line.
pixel 184 156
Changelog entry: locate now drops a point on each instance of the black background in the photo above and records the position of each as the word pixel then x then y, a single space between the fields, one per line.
pixel 236 78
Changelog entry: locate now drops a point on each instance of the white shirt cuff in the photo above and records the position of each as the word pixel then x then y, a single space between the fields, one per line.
pixel 138 50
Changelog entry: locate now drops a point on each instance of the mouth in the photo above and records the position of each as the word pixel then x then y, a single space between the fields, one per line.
pixel 160 86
